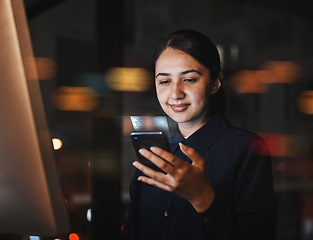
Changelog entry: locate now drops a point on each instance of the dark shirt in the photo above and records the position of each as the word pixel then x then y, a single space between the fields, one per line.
pixel 240 172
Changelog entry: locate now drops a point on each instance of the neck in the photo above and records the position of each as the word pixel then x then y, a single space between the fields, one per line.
pixel 186 129
pixel 189 127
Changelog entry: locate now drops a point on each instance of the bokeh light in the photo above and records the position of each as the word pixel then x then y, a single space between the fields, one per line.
pixel 277 144
pixel 75 99
pixel 129 79
pixel 73 236
pixel 57 143
pixel 249 81
pixel 46 68
pixel 283 145
pixel 287 72
pixel 270 72
pixel 305 102
pixel 89 215
pixel 281 166
pixel 34 238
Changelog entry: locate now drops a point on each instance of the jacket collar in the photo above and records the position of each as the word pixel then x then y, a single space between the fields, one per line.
pixel 203 138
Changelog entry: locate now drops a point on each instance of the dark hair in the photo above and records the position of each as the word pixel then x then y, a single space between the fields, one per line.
pixel 202 49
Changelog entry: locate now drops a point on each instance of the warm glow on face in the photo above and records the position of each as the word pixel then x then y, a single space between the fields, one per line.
pixel 182 86
pixel 57 143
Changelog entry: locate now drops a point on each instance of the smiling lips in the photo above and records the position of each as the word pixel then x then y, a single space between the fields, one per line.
pixel 179 107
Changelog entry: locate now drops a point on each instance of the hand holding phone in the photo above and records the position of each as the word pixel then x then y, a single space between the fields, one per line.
pixel 147 140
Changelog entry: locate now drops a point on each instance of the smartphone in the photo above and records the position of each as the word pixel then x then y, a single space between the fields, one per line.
pixel 147 140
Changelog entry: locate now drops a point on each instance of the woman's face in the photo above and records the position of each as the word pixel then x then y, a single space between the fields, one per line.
pixel 182 86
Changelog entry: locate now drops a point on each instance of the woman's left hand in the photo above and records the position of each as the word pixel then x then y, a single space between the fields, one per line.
pixel 187 180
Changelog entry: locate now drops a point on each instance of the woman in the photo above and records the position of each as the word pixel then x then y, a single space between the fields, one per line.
pixel 216 184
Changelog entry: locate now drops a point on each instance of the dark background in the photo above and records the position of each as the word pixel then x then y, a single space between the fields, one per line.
pixel 267 53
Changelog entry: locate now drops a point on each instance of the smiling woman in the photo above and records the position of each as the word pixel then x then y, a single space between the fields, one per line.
pixel 182 86
pixel 214 183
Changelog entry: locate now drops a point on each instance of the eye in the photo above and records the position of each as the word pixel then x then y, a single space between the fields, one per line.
pixel 164 82
pixel 190 80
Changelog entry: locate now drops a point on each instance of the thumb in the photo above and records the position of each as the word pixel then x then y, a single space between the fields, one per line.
pixel 191 153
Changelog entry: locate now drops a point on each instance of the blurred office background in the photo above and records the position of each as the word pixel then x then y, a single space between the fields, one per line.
pixel 93 59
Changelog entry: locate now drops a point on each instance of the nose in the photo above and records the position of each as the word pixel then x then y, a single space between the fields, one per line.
pixel 177 92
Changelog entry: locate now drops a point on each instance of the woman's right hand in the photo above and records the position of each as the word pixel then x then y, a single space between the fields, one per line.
pixel 187 180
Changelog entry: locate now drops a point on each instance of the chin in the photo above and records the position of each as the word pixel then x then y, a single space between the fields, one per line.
pixel 179 119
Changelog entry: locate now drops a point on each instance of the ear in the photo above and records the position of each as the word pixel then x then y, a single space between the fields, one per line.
pixel 217 84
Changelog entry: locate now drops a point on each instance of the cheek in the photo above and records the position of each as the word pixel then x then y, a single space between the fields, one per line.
pixel 161 96
pixel 201 98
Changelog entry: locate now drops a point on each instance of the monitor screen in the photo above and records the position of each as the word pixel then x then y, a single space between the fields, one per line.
pixel 31 200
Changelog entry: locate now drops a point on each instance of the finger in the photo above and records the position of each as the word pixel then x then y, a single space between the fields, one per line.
pixel 159 162
pixel 194 156
pixel 155 183
pixel 169 157
pixel 154 178
pixel 146 170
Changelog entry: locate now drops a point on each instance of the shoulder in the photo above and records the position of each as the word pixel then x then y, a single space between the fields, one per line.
pixel 241 134
pixel 244 139
pixel 221 125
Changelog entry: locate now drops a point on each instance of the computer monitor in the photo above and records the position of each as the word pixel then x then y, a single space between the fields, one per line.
pixel 31 200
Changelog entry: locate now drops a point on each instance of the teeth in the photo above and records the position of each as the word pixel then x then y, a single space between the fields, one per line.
pixel 176 103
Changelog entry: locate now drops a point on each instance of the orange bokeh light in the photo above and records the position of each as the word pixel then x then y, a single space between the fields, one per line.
pixel 281 72
pixel 46 68
pixel 249 81
pixel 73 236
pixel 75 99
pixel 129 79
pixel 259 81
pixel 305 102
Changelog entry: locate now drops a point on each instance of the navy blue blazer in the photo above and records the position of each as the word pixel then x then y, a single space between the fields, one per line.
pixel 240 172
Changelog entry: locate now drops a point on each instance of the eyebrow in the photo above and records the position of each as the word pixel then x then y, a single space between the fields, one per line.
pixel 190 71
pixel 162 74
pixel 182 73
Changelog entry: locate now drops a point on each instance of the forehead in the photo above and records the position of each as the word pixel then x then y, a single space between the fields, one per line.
pixel 174 60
